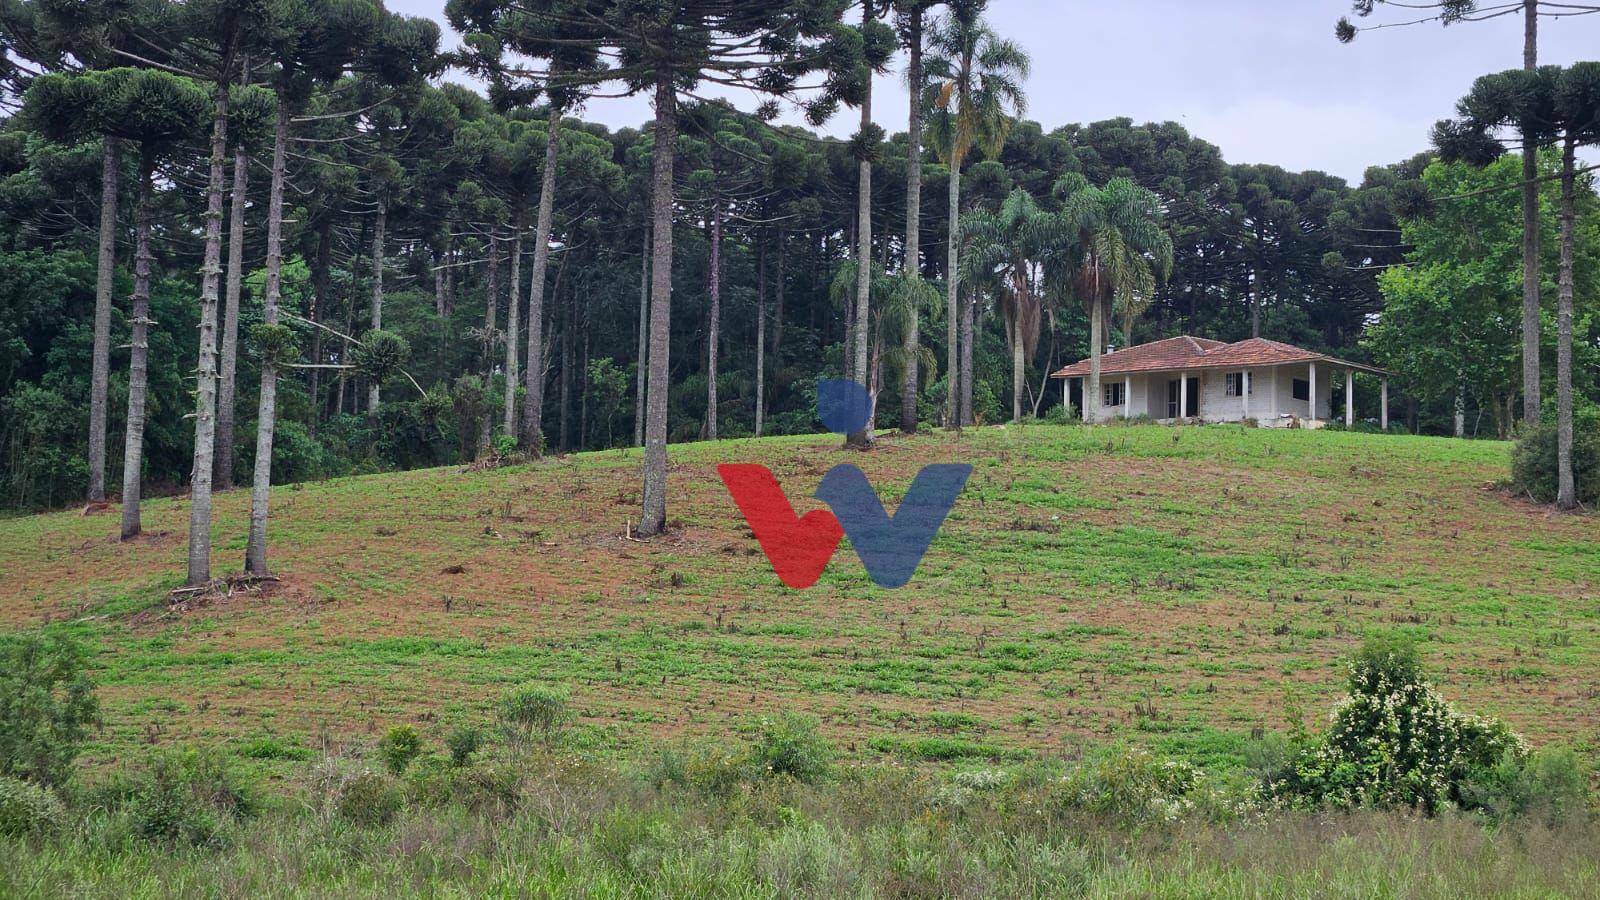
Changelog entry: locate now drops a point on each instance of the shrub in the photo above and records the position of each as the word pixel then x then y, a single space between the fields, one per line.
pixel 47 704
pixel 463 741
pixel 1394 741
pixel 367 798
pixel 186 797
pixel 1551 784
pixel 533 710
pixel 711 770
pixel 27 808
pixel 399 747
pixel 1533 463
pixel 1130 784
pixel 790 745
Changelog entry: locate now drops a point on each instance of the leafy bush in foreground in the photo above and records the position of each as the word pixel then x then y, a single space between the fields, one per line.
pixel 1394 741
pixel 27 808
pixel 790 745
pixel 47 704
pixel 187 797
pixel 399 747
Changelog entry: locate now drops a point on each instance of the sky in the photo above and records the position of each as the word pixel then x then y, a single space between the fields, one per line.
pixel 1265 80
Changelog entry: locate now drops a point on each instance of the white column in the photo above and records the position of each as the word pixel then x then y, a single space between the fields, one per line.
pixel 1244 390
pixel 1274 406
pixel 1127 397
pixel 1066 393
pixel 1383 406
pixel 1349 397
pixel 1312 378
pixel 1183 395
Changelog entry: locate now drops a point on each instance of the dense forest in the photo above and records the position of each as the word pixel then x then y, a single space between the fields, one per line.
pixel 236 226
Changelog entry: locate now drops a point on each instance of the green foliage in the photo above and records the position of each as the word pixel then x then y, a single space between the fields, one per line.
pixel 27 808
pixel 47 704
pixel 187 797
pixel 399 746
pixel 533 711
pixel 1394 741
pixel 382 354
pixel 1551 785
pixel 463 741
pixel 789 745
pixel 274 344
pixel 1131 784
pixel 1533 463
pixel 367 799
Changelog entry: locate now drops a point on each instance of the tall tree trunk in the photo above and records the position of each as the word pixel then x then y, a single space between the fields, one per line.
pixel 1253 298
pixel 1092 394
pixel 644 341
pixel 653 515
pixel 863 317
pixel 509 418
pixel 969 328
pixel 955 410
pixel 761 330
pixel 713 323
pixel 566 376
pixel 1018 367
pixel 492 290
pixel 1460 409
pixel 205 412
pixel 379 225
pixel 223 479
pixel 255 552
pixel 777 302
pixel 1531 371
pixel 1567 490
pixel 322 264
pixel 100 363
pixel 913 266
pixel 533 405
pixel 439 269
pixel 138 357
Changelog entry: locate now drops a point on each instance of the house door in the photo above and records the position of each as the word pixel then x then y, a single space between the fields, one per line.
pixel 1174 396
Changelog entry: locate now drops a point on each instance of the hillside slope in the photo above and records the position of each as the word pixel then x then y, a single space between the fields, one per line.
pixel 1178 587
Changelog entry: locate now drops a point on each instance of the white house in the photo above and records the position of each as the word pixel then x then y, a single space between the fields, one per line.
pixel 1195 379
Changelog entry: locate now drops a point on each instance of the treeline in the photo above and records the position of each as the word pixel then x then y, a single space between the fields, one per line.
pixel 369 268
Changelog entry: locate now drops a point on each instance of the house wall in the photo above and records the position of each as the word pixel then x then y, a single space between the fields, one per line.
pixel 1149 395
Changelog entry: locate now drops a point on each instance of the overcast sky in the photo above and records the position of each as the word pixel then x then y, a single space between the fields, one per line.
pixel 1262 79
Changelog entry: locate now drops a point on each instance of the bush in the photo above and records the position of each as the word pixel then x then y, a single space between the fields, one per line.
pixel 1552 785
pixel 399 747
pixel 1394 741
pixel 366 798
pixel 463 741
pixel 47 704
pixel 790 745
pixel 27 808
pixel 187 797
pixel 1533 463
pixel 533 710
pixel 1131 784
pixel 711 770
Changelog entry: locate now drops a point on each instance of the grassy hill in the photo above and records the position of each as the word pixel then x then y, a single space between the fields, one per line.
pixel 1176 587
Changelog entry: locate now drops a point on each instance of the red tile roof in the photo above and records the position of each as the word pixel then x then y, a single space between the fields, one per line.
pixel 1185 353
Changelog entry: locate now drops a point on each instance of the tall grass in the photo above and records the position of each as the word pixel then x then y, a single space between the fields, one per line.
pixel 572 829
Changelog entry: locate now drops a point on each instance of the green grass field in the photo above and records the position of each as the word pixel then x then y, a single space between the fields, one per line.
pixel 1179 588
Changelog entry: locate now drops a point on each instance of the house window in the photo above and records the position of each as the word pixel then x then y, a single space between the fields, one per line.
pixel 1114 394
pixel 1302 389
pixel 1234 382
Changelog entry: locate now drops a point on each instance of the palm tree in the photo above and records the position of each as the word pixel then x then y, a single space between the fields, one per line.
pixel 1120 250
pixel 1009 253
pixel 974 91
